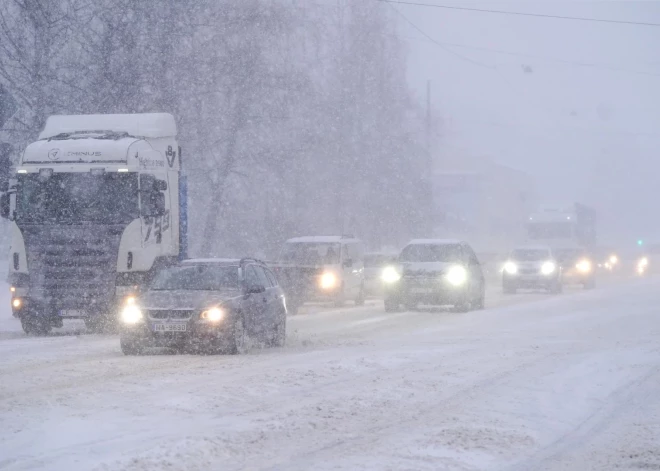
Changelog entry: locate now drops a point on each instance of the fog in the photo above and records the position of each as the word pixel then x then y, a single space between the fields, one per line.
pixel 582 119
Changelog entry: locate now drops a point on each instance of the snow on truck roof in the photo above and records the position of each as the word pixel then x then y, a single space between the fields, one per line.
pixel 435 242
pixel 221 261
pixel 149 125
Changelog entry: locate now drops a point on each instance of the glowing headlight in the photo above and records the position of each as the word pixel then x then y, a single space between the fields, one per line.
pixel 457 275
pixel 643 262
pixel 510 268
pixel 390 275
pixel 131 314
pixel 129 300
pixel 548 268
pixel 17 303
pixel 215 314
pixel 583 266
pixel 328 281
pixel 614 259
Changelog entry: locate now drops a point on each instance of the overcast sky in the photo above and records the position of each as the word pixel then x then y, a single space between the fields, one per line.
pixel 590 134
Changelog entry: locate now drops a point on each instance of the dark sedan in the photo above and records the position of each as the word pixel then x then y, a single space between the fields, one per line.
pixel 211 306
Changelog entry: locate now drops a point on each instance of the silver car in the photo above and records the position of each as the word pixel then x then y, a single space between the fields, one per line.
pixel 211 306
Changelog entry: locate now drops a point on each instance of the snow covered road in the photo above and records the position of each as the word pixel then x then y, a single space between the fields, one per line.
pixel 534 382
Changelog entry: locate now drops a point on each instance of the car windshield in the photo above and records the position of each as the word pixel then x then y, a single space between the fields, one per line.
pixel 530 255
pixel 550 230
pixel 311 253
pixel 432 253
pixel 197 278
pixel 377 260
pixel 75 198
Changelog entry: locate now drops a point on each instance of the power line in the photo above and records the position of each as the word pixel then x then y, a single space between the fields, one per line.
pixel 440 45
pixel 517 13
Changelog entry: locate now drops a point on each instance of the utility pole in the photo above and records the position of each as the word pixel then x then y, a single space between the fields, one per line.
pixel 429 162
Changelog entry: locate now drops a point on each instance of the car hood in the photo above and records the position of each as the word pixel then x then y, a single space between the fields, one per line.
pixel 426 267
pixel 186 299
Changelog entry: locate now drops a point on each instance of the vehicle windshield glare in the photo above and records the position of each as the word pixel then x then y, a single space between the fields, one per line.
pixel 311 253
pixel 197 278
pixel 530 255
pixel 75 198
pixel 451 253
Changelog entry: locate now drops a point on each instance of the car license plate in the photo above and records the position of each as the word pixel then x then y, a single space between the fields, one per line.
pixel 422 290
pixel 170 327
pixel 71 313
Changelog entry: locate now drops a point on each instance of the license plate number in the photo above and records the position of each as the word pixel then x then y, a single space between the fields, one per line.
pixel 177 327
pixel 71 313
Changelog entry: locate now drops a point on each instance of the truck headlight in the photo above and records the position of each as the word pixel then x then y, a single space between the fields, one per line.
pixel 131 314
pixel 583 266
pixel 457 275
pixel 214 314
pixel 548 268
pixel 510 268
pixel 390 275
pixel 328 281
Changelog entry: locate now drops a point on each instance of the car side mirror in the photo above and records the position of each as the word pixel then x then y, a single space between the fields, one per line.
pixel 256 289
pixel 348 263
pixel 5 205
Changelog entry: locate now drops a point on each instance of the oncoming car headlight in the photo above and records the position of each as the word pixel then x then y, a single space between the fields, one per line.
pixel 131 314
pixel 548 268
pixel 510 268
pixel 390 275
pixel 457 275
pixel 214 314
pixel 328 281
pixel 583 266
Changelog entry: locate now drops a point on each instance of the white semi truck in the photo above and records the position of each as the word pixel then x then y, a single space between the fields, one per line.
pixel 97 206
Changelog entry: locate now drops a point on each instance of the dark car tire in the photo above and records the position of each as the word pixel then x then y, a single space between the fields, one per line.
pixel 35 325
pixel 391 305
pixel 279 333
pixel 480 302
pixel 238 337
pixel 129 346
pixel 463 307
pixel 359 301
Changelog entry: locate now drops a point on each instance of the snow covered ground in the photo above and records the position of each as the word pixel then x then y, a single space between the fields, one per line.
pixel 534 382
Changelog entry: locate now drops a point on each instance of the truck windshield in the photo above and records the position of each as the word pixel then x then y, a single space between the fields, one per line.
pixel 311 253
pixel 550 230
pixel 432 253
pixel 197 278
pixel 529 255
pixel 76 198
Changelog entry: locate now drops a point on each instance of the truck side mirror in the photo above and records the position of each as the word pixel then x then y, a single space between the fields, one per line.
pixel 5 205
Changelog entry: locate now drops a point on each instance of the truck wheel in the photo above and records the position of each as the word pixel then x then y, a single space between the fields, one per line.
pixel 238 340
pixel 94 324
pixel 35 325
pixel 463 307
pixel 129 346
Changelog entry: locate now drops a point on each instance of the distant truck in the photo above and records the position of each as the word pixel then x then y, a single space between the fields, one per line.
pixel 97 206
pixel 563 228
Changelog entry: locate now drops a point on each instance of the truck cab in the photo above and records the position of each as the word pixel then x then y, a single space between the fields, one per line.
pixel 94 206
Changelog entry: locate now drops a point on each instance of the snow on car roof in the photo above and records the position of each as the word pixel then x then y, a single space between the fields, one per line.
pixel 532 247
pixel 435 241
pixel 151 125
pixel 321 239
pixel 223 261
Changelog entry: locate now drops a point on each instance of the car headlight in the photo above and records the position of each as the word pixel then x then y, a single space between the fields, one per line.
pixel 510 268
pixel 390 275
pixel 328 281
pixel 614 259
pixel 583 266
pixel 548 268
pixel 643 262
pixel 214 314
pixel 457 275
pixel 131 314
pixel 17 303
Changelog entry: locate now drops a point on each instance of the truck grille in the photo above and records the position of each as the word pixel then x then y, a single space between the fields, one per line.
pixel 72 266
